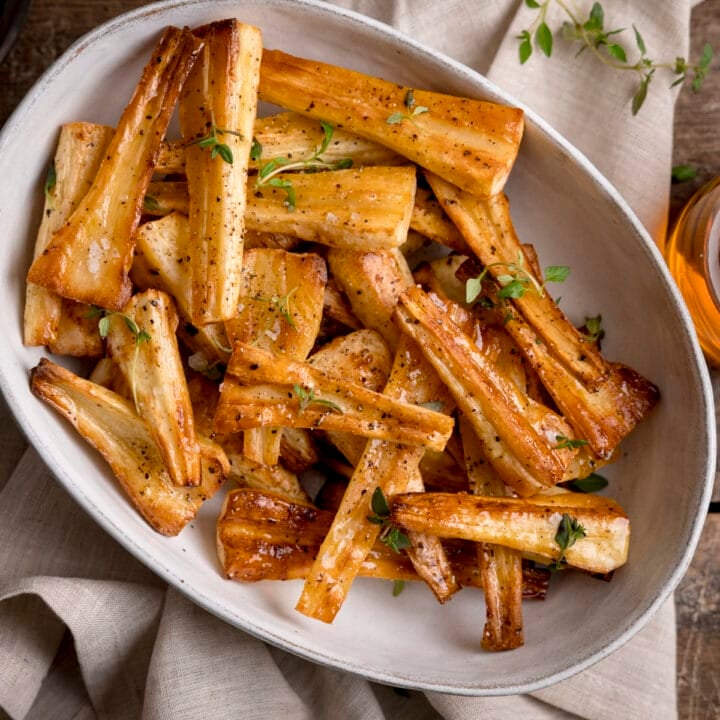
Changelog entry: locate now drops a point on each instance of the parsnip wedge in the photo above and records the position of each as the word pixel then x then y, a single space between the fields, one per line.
pixel 383 466
pixel 152 366
pixel 261 389
pixel 80 150
pixel 217 115
pixel 500 567
pixel 357 209
pixel 162 252
pixel 520 437
pixel 487 228
pixel 263 537
pixel 529 524
pixel 89 258
pixel 473 143
pixel 430 220
pixel 293 136
pixel 279 309
pixel 602 417
pixel 110 424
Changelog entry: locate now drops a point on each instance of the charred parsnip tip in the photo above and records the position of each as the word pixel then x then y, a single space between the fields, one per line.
pixel 473 143
pixel 88 259
pixel 529 525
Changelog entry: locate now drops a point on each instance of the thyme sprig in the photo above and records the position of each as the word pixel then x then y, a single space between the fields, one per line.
pixel 269 172
pixel 568 533
pixel 140 336
pixel 307 397
pixel 49 186
pixel 516 281
pixel 282 303
pixel 390 534
pixel 566 443
pixel 412 112
pixel 591 34
pixel 212 142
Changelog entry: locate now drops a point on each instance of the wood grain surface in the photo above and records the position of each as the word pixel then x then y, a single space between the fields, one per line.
pixel 51 27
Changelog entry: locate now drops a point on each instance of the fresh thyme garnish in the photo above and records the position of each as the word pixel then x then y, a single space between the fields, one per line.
pixel 516 281
pixel 390 535
pixel 594 331
pixel 140 337
pixel 282 303
pixel 398 587
pixel 413 110
pixel 566 443
pixel 308 397
pixel 591 484
pixel 568 533
pixel 268 173
pixel 592 35
pixel 150 204
pixel 212 141
pixel 50 182
pixel 255 150
pixel 683 173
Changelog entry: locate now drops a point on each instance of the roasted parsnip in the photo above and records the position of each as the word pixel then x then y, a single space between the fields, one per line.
pixel 473 143
pixel 88 259
pixel 518 435
pixel 142 343
pixel 217 115
pixel 528 524
pixel 261 389
pixel 80 150
pixel 111 425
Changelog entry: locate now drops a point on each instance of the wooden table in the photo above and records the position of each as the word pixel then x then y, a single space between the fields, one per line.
pixel 51 27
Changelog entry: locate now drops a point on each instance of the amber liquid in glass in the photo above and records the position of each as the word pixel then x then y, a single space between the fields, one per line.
pixel 692 253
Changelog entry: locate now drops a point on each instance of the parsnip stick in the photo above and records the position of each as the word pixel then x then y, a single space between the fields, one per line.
pixel 263 537
pixel 430 220
pixel 473 143
pixel 149 359
pixel 217 115
pixel 80 149
pixel 487 228
pixel 519 436
pixel 261 389
pixel 500 567
pixel 279 310
pixel 110 424
pixel 89 258
pixel 292 136
pixel 527 524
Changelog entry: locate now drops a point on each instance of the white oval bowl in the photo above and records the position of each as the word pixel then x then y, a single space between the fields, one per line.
pixel 562 205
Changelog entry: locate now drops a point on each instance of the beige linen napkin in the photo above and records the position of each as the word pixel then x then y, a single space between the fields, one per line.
pixel 86 631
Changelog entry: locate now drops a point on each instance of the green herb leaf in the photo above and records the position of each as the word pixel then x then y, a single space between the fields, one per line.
pixel 255 150
pixel 419 110
pixel 307 398
pixel 379 503
pixel 556 273
pixel 514 289
pixel 591 484
pixel 409 100
pixel 544 39
pixel 596 20
pixel 568 533
pixel 525 47
pixel 594 328
pixel 618 52
pixel 395 118
pixel 287 186
pixel 104 326
pixel 398 587
pixel 533 4
pixel 566 443
pixel 50 182
pixel 639 41
pixel 641 92
pixel 473 288
pixel 328 131
pixel 150 204
pixel 683 173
